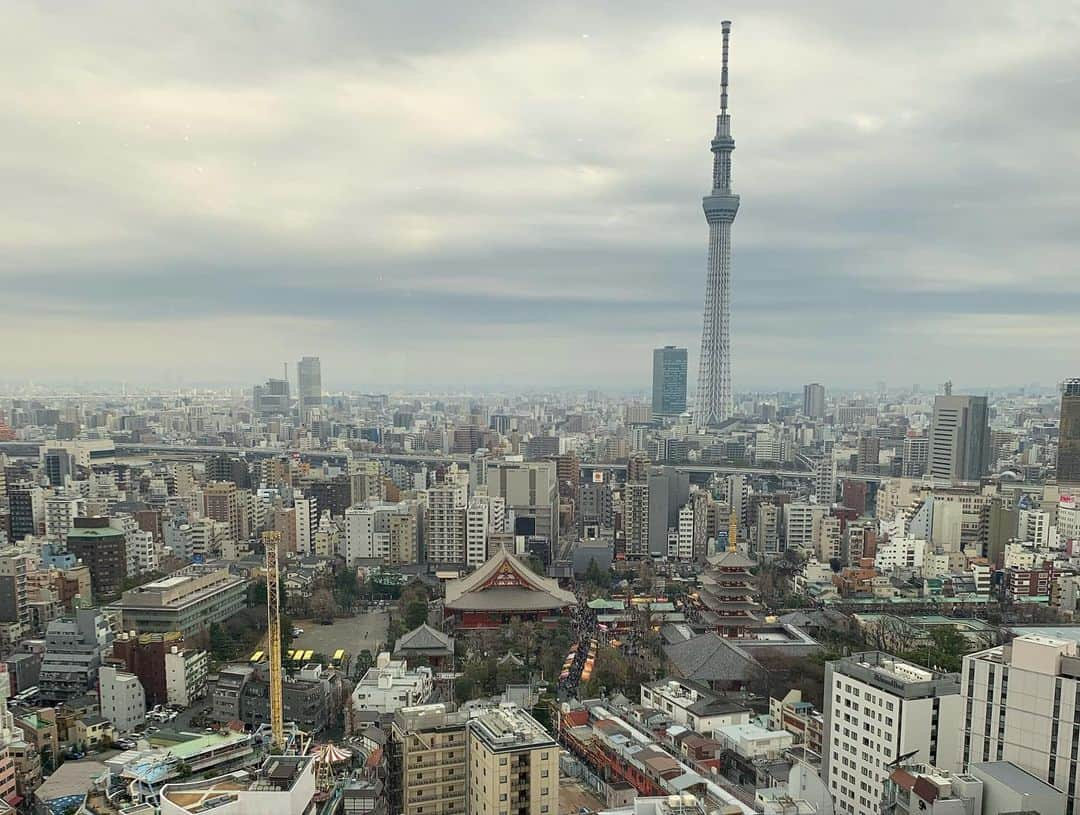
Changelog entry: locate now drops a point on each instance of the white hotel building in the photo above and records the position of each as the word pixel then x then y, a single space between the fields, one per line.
pixel 879 708
pixel 1022 704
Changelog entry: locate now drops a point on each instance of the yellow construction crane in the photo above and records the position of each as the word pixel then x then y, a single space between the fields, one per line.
pixel 271 540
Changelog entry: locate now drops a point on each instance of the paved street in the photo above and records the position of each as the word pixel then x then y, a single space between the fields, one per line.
pixel 354 634
pixel 575 796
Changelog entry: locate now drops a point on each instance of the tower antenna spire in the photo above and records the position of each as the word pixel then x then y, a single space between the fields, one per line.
pixel 725 28
pixel 714 401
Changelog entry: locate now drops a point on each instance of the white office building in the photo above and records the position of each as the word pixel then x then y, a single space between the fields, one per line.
pixel 390 685
pixel 1022 704
pixel 185 675
pixel 879 708
pixel 802 525
pixel 477 523
pixel 307 521
pixel 60 514
pixel 123 701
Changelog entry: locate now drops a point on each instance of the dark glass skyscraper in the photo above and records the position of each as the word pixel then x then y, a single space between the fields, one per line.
pixel 309 385
pixel 1068 460
pixel 669 381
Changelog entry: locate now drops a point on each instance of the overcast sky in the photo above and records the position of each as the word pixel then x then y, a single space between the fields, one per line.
pixel 511 193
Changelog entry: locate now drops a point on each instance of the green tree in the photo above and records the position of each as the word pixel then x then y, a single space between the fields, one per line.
pixel 256 594
pixel 221 646
pixel 346 588
pixel 416 614
pixel 323 606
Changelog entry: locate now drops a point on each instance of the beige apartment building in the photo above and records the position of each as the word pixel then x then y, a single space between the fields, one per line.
pixel 427 761
pixel 513 765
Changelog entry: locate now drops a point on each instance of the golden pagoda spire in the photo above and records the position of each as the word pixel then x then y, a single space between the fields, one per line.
pixel 733 532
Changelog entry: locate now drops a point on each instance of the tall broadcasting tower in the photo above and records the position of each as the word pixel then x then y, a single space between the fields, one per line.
pixel 714 403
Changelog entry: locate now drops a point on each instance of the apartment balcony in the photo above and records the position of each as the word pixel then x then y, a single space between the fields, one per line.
pixel 446 778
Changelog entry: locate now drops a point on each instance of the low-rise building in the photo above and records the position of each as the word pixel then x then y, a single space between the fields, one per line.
pixel 310 697
pixel 284 785
pixel 692 705
pixel 753 742
pixel 225 689
pixel 187 601
pixel 390 685
pixel 93 731
pixel 798 718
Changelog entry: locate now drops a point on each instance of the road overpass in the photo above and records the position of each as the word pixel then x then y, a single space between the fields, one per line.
pixel 189 452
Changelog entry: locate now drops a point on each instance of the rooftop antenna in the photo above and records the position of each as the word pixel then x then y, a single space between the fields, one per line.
pixel 725 27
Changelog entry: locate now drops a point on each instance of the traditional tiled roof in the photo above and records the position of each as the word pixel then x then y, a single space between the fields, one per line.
pixel 711 658
pixel 505 583
pixel 425 639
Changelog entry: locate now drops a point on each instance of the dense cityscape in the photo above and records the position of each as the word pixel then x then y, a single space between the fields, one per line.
pixel 684 598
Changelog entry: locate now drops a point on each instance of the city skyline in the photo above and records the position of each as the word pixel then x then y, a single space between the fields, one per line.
pixel 522 190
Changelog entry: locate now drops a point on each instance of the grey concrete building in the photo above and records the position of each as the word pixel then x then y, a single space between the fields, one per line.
pixel 74 649
pixel 187 601
pixel 960 439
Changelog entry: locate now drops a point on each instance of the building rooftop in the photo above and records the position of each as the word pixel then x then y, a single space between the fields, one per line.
pixel 180 589
pixel 510 728
pixel 277 774
pixel 898 676
pixel 70 778
pixel 1011 776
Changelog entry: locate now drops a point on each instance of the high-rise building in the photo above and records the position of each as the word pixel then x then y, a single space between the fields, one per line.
pixel 427 761
pixel 445 525
pixel 74 648
pixel 668 381
pixel 869 453
pixel 802 526
pixel 272 399
pixel 513 765
pixel 58 464
pixel 531 490
pixel 1068 460
pixel 307 521
pixel 960 439
pixel 916 456
pixel 221 503
pixel 635 519
pixel 60 514
pixel 308 386
pixel 15 566
pixel 714 401
pixel 669 490
pixel 1022 704
pixel 103 549
pixel 879 709
pixel 768 531
pixel 813 400
pixel 825 479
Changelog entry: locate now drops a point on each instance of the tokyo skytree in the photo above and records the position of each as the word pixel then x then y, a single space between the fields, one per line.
pixel 714 403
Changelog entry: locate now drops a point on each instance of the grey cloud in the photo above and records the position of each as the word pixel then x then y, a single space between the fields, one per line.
pixel 411 174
